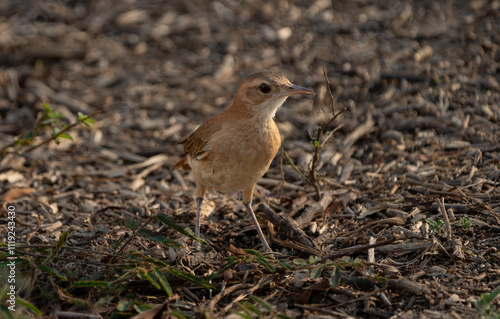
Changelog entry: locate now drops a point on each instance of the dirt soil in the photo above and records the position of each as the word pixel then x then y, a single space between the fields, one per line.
pixel 413 164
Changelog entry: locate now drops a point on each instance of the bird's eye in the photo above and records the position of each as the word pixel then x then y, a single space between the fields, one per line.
pixel 264 88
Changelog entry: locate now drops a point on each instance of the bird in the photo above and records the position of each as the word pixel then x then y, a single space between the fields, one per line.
pixel 234 149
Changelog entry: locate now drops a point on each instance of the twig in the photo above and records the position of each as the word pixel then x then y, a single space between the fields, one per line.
pixel 313 179
pixel 295 167
pixel 395 221
pixel 213 302
pixel 66 129
pixel 357 249
pixel 263 282
pixel 318 144
pixel 287 226
pixel 333 314
pixel 442 210
pixel 314 210
pixel 364 297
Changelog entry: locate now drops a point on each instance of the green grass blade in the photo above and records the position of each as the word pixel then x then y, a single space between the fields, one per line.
pixel 494 293
pixel 63 238
pixel 154 236
pixel 52 271
pixel 263 303
pixel 163 281
pixel 4 291
pixel 254 309
pixel 144 274
pixel 230 264
pixel 46 107
pixel 29 306
pixel 243 307
pixel 253 252
pixel 284 264
pixel 192 278
pixel 266 264
pixel 171 223
pixel 155 262
pixel 7 263
pixel 6 313
pixel 240 314
pixel 142 308
pixel 60 242
pixel 179 314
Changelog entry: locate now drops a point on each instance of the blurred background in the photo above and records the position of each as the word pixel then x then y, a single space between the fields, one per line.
pixel 158 69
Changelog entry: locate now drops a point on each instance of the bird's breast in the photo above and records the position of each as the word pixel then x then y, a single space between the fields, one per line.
pixel 238 156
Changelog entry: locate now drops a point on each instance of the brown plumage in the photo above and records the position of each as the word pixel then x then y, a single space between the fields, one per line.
pixel 233 150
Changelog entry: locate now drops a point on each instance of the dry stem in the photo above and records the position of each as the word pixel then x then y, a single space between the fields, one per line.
pixel 313 178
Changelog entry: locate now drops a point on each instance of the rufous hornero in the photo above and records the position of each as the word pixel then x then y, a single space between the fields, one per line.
pixel 233 150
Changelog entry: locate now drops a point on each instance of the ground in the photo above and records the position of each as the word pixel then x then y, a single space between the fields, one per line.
pixel 412 165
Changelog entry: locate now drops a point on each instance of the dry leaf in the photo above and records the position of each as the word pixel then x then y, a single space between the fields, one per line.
pixel 16 193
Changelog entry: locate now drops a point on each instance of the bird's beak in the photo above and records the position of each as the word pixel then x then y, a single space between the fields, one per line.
pixel 294 89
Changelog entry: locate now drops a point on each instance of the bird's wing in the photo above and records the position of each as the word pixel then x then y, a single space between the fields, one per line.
pixel 196 145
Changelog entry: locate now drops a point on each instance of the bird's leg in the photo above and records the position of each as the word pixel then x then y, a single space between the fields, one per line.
pixel 199 200
pixel 247 201
pixel 257 226
pixel 200 194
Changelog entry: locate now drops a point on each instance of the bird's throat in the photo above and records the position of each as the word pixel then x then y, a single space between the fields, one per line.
pixel 266 110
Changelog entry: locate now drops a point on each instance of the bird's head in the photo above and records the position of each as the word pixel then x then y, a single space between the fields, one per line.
pixel 263 93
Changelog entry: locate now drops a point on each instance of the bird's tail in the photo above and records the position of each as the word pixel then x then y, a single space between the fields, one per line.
pixel 183 163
